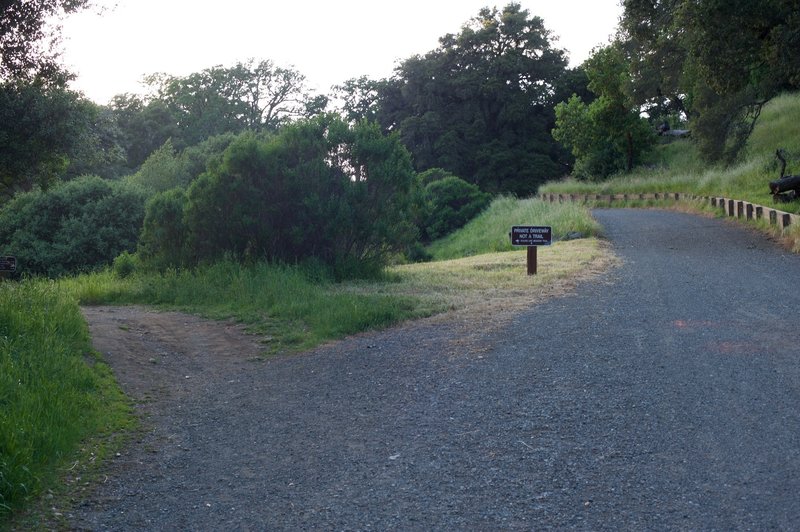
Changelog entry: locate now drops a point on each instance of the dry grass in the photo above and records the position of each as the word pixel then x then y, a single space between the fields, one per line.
pixel 493 286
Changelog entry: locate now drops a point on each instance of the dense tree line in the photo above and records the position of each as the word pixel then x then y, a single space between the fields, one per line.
pixel 480 105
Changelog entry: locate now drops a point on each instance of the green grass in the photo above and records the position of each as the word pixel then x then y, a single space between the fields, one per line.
pixel 488 232
pixel 54 391
pixel 281 303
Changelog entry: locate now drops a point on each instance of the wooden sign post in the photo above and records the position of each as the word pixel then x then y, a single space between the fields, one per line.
pixel 531 236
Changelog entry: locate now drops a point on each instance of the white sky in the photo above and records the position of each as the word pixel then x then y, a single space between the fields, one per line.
pixel 327 41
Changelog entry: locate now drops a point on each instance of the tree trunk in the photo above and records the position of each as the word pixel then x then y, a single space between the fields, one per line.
pixel 782 159
pixel 630 151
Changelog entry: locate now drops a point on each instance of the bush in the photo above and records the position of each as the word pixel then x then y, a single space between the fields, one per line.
pixel 125 265
pixel 450 202
pixel 80 225
pixel 162 242
pixel 318 189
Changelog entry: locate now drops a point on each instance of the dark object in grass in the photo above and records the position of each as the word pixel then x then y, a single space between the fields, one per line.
pixel 787 188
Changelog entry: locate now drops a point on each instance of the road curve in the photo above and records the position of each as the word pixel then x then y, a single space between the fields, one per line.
pixel 665 395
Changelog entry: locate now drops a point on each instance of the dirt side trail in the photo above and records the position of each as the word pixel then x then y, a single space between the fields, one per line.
pixel 664 395
pixel 161 357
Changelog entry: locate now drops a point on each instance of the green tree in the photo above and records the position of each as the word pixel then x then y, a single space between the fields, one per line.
pixel 28 37
pixel 717 61
pixel 450 202
pixel 360 98
pixel 480 105
pixel 248 96
pixel 608 135
pixel 162 243
pixel 100 149
pixel 144 127
pixel 318 189
pixel 41 127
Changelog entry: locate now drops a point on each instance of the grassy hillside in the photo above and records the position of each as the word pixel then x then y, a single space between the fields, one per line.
pixel 489 232
pixel 676 167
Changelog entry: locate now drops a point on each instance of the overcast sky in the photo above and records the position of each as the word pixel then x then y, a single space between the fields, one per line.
pixel 327 41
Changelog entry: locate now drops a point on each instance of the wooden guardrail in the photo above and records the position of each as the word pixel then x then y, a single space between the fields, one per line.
pixel 731 207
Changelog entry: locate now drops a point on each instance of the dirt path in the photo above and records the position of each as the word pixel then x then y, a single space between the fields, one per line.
pixel 160 357
pixel 665 395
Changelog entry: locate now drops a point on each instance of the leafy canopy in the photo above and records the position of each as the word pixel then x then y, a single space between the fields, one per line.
pixel 28 38
pixel 716 61
pixel 607 135
pixel 479 105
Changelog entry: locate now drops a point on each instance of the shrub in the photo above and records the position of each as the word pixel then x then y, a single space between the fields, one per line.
pixel 162 242
pixel 318 189
pixel 450 202
pixel 125 265
pixel 76 226
pixel 165 168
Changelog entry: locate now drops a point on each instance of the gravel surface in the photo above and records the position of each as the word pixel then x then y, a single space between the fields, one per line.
pixel 665 395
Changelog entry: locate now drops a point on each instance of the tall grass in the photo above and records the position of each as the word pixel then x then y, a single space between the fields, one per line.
pixel 285 304
pixel 53 392
pixel 677 167
pixel 489 231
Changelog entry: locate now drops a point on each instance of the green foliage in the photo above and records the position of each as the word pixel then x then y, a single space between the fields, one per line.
pixel 40 128
pixel 125 265
pixel 608 135
pixel 450 202
pixel 296 307
pixel 360 98
pixel 162 242
pixel 50 399
pixel 79 225
pixel 251 96
pixel 678 166
pixel 480 105
pixel 164 169
pixel 144 127
pixel 25 26
pixel 430 175
pixel 318 189
pixel 716 61
pixel 489 231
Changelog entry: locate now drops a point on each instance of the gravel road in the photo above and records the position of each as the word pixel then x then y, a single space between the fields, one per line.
pixel 665 395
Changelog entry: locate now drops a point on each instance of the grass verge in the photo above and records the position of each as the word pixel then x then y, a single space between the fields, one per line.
pixel 677 166
pixel 59 403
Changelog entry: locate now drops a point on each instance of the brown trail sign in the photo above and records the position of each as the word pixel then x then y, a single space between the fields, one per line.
pixel 531 236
